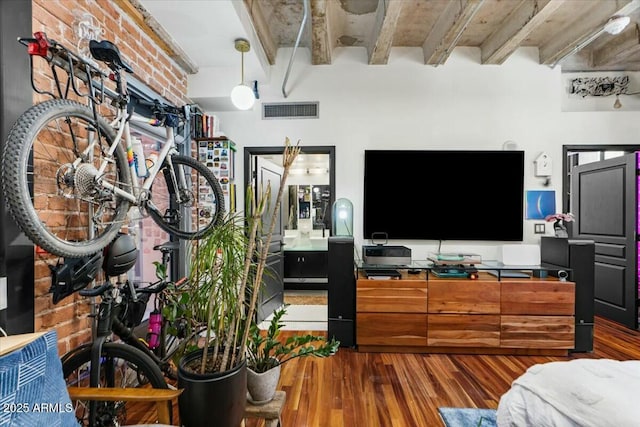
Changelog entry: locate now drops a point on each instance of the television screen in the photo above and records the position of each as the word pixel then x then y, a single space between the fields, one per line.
pixel 444 195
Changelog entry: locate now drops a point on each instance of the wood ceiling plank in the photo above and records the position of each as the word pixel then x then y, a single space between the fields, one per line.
pixel 450 24
pixel 320 41
pixel 385 28
pixel 525 19
pixel 619 49
pixel 585 27
pixel 262 29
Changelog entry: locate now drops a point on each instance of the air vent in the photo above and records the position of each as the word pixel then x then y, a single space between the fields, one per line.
pixel 290 110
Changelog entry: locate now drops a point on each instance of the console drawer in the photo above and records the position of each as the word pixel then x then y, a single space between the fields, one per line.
pixel 391 329
pixel 396 300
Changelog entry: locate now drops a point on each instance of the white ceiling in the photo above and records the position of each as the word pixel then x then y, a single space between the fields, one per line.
pixel 206 30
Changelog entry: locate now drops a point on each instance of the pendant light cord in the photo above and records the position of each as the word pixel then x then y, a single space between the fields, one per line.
pixel 242 68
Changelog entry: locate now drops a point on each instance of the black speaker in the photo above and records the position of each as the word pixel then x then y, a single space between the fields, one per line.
pixel 341 290
pixel 577 256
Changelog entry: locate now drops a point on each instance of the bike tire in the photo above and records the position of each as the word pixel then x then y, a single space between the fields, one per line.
pixel 48 197
pixel 202 206
pixel 132 368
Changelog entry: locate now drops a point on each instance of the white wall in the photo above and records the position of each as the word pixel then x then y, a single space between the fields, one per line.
pixel 409 105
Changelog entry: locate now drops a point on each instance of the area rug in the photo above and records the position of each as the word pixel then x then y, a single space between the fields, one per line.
pixel 305 297
pixel 305 300
pixel 302 318
pixel 468 417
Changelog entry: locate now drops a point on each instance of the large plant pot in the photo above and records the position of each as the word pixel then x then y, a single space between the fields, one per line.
pixel 221 397
pixel 262 385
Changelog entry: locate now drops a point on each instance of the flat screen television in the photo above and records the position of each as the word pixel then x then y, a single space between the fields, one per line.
pixel 444 195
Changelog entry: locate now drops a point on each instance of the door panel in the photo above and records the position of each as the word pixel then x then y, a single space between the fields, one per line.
pixel 272 292
pixel 604 204
pixel 613 276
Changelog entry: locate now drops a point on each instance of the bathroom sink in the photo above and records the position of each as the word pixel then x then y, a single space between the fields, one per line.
pixel 289 240
pixel 319 243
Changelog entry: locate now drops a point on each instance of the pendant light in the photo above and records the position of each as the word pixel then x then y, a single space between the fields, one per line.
pixel 242 95
pixel 617 104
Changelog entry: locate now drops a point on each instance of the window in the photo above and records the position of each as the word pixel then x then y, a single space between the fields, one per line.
pixel 147 233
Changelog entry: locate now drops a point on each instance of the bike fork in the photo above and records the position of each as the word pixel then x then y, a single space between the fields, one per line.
pixel 94 374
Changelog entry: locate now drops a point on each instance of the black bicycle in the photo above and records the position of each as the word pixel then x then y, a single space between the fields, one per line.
pixel 129 361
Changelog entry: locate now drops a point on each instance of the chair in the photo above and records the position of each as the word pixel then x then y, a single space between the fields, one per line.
pixel 31 375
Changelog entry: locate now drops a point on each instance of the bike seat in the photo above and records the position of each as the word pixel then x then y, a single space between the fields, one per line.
pixel 167 247
pixel 108 52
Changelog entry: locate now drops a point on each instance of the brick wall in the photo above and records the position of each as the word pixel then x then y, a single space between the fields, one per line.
pixel 151 66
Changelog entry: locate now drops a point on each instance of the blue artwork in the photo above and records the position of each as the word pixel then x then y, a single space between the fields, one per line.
pixel 540 203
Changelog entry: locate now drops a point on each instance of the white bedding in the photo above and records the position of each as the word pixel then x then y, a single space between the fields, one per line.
pixel 583 392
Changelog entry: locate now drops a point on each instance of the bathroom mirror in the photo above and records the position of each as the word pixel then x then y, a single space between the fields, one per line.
pixel 310 192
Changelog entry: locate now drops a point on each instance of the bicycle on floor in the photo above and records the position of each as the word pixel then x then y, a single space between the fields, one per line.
pixel 131 361
pixel 64 162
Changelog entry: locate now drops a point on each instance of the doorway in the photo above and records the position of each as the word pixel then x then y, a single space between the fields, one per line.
pixel 599 187
pixel 313 171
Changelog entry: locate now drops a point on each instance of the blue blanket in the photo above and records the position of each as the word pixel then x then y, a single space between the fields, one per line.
pixel 32 389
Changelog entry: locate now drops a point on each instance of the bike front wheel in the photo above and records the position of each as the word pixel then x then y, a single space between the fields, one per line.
pixel 121 366
pixel 186 198
pixel 51 169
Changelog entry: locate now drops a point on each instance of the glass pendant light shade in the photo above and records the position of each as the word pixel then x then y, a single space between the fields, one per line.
pixel 242 97
pixel 342 218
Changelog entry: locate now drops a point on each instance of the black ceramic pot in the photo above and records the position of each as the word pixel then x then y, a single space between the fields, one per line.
pixel 221 396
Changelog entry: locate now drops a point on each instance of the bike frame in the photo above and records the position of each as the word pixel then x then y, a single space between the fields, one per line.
pixel 121 124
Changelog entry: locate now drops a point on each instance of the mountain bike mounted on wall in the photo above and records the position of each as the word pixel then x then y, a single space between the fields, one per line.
pixel 69 174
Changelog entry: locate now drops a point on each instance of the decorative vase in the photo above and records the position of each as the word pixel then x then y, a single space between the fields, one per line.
pixel 214 396
pixel 262 385
pixel 560 229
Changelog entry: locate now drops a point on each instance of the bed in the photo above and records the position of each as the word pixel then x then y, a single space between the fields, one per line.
pixel 582 392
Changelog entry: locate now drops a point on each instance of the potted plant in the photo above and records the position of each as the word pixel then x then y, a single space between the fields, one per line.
pixel 559 226
pixel 226 270
pixel 266 353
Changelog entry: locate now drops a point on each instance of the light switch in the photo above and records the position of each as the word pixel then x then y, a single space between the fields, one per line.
pixel 539 228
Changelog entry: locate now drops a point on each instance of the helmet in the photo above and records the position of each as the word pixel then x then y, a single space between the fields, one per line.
pixel 74 274
pixel 120 255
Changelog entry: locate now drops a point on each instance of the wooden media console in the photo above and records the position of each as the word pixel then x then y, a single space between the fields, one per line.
pixel 422 313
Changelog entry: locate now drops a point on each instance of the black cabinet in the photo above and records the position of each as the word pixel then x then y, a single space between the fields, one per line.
pixel 16 251
pixel 305 269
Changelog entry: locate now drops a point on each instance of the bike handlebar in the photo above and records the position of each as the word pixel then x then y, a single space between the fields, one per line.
pixel 153 289
pixel 94 292
pixel 168 115
pixel 159 287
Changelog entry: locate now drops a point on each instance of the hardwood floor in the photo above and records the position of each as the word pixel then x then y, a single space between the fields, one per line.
pixel 398 390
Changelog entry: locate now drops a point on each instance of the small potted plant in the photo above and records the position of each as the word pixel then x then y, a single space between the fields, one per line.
pixel 266 353
pixel 559 227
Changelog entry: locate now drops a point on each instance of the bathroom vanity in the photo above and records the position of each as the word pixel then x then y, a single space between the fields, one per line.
pixel 305 260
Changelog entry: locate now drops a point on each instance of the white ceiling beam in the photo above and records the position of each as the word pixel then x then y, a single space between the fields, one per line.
pixel 525 19
pixel 261 27
pixel 320 40
pixel 587 27
pixel 447 30
pixel 381 39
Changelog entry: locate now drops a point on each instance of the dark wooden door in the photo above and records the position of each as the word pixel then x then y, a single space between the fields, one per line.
pixel 604 202
pixel 272 293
